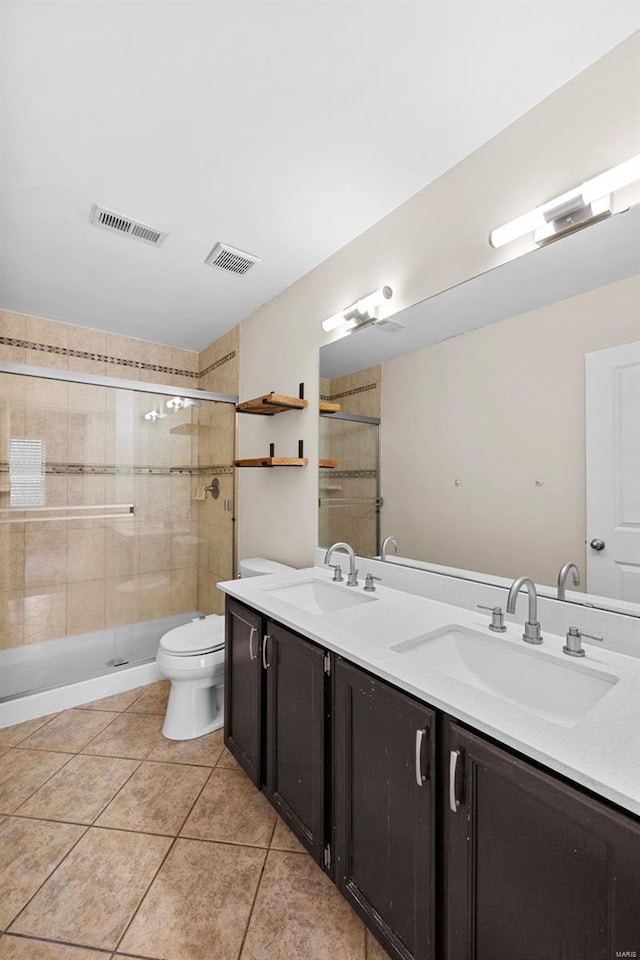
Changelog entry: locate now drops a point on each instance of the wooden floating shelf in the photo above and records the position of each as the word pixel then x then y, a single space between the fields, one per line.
pixel 328 464
pixel 326 407
pixel 272 462
pixel 270 404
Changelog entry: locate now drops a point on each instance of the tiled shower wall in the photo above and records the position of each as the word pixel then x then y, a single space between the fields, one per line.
pixel 59 578
pixel 354 446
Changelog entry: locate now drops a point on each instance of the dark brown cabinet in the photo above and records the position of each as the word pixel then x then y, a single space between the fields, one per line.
pixel 384 761
pixel 449 846
pixel 243 688
pixel 535 870
pixel 295 717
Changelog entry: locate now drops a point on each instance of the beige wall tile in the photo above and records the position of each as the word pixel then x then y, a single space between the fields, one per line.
pixel 89 341
pixel 50 425
pixel 155 595
pixel 87 437
pixel 45 613
pixel 157 354
pixel 14 389
pixel 184 545
pixel 125 348
pixel 85 554
pixel 11 618
pixel 121 601
pixel 51 332
pixel 122 548
pixel 87 398
pixel 12 558
pixel 155 548
pixel 45 554
pixel 184 589
pixel 47 393
pixel 85 606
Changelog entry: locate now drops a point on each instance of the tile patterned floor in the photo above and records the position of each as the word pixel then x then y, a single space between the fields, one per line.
pixel 116 843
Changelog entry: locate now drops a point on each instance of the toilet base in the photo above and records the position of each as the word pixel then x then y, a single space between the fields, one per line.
pixel 194 709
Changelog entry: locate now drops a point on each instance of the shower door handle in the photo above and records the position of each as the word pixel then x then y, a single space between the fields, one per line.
pixel 252 655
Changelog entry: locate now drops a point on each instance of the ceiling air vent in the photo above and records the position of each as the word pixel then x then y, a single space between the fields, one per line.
pixel 229 259
pixel 132 228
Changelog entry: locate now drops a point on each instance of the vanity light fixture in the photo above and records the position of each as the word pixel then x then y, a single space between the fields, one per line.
pixel 362 311
pixel 155 415
pixel 575 209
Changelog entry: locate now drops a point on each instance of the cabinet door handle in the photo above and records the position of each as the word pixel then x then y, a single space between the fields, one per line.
pixel 453 763
pixel 264 651
pixel 252 655
pixel 420 778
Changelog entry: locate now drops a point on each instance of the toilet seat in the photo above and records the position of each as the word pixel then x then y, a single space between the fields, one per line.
pixel 201 636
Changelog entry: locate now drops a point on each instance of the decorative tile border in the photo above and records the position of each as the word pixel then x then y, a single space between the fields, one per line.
pixel 347 474
pixel 349 393
pixel 217 363
pixel 97 357
pixel 115 470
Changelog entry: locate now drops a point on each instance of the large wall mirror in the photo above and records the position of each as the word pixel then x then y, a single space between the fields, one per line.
pixel 495 430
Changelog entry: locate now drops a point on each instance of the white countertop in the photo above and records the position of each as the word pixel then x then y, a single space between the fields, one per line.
pixel 600 752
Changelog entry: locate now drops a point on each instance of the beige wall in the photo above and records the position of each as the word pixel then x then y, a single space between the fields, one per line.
pixel 498 409
pixel 435 240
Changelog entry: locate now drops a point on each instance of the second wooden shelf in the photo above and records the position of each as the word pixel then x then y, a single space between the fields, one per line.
pixel 270 404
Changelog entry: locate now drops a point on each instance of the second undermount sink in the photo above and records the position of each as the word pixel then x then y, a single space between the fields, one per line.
pixel 314 596
pixel 528 678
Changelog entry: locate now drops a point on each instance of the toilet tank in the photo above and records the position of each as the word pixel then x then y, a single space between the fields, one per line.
pixel 259 566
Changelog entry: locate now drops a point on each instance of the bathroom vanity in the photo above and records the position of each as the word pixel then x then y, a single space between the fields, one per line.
pixel 457 822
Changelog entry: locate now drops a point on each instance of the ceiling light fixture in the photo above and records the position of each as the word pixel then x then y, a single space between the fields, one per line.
pixel 575 209
pixel 361 312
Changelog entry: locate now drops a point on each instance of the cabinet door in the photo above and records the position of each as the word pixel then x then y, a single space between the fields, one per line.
pixel 535 869
pixel 295 721
pixel 242 688
pixel 384 745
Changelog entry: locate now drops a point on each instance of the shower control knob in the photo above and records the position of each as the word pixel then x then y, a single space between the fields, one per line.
pixel 597 544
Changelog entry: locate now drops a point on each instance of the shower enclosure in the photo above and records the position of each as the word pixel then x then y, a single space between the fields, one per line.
pixel 108 537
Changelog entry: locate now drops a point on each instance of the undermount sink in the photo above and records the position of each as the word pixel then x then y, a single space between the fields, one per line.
pixel 314 596
pixel 533 681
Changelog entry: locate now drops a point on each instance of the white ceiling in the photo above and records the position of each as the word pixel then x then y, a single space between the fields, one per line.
pixel 282 128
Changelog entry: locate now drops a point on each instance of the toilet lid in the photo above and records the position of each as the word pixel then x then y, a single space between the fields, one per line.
pixel 199 636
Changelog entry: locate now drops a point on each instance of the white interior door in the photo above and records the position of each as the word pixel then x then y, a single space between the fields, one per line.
pixel 613 472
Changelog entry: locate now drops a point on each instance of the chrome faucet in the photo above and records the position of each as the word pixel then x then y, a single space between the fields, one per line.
pixel 385 543
pixel 562 578
pixel 352 578
pixel 532 627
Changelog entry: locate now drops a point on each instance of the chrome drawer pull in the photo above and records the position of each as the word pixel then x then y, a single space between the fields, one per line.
pixel 453 762
pixel 419 775
pixel 264 651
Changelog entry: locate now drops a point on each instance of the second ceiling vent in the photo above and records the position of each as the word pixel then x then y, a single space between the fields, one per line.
pixel 228 258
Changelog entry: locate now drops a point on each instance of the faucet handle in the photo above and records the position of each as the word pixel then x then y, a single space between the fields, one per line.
pixel 368 582
pixel 497 618
pixel 573 646
pixel 337 572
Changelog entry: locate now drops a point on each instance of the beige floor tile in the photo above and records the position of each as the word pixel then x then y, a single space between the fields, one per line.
pixel 299 913
pixel 29 851
pixel 22 772
pixel 231 810
pixel 130 735
pixel 228 761
pixel 118 702
pixel 198 905
pixel 156 799
pixel 70 731
pixel 81 790
pixel 203 751
pixel 283 839
pixel 21 948
pixel 10 736
pixel 154 700
pixel 374 950
pixel 92 896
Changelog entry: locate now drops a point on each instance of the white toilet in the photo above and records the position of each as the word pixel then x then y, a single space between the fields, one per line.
pixel 192 658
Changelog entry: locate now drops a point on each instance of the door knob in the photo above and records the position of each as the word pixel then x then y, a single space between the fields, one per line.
pixel 597 544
